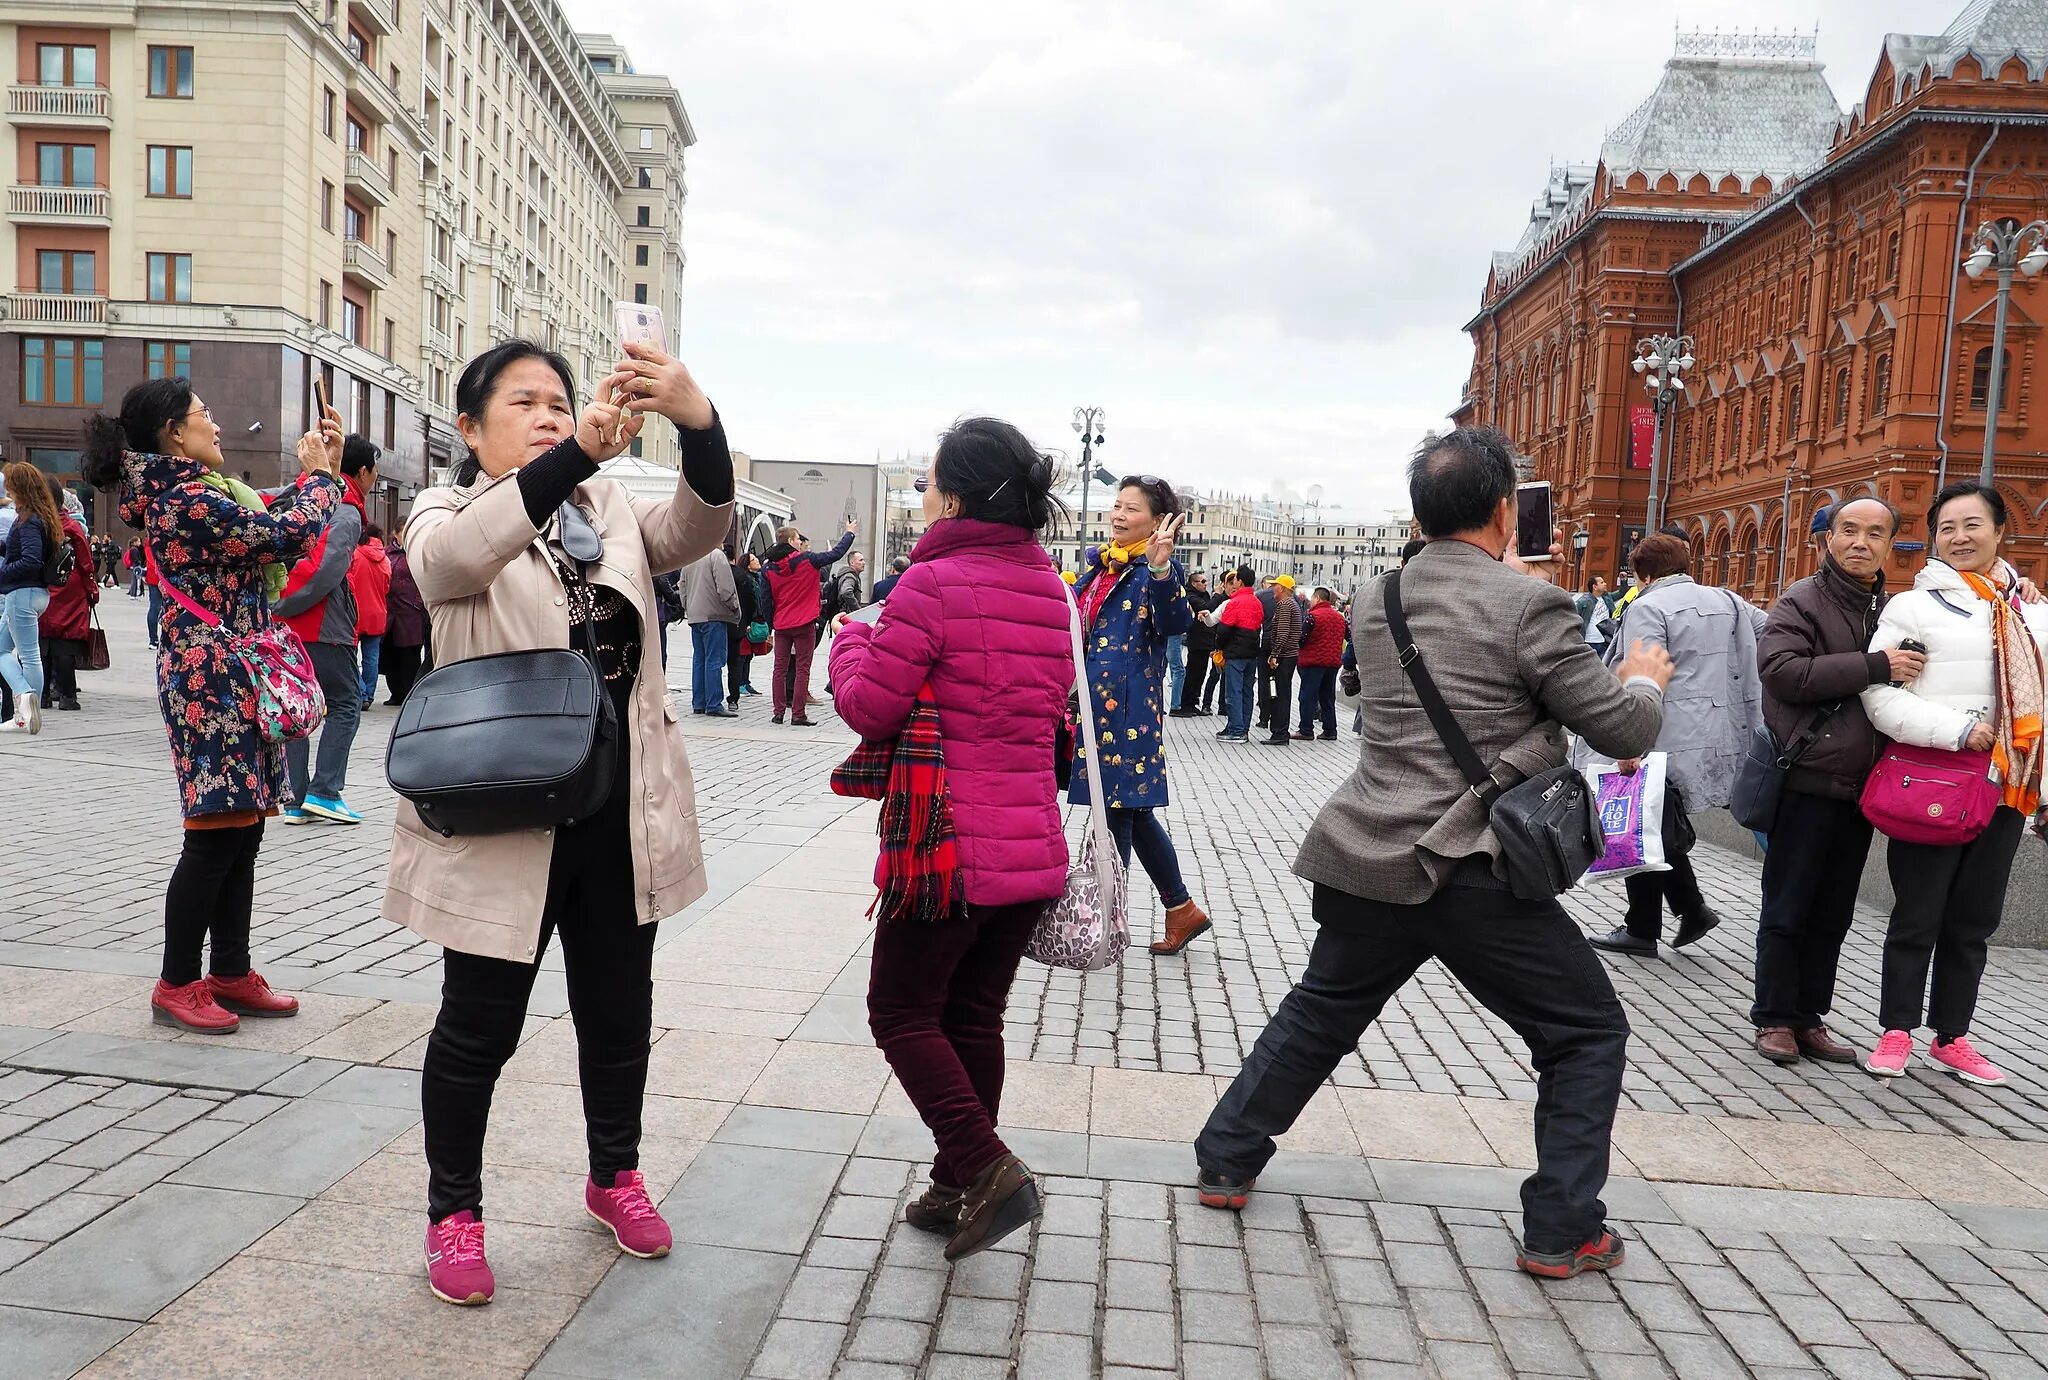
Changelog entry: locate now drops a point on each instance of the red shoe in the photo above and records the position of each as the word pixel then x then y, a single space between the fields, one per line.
pixel 1603 1252
pixel 456 1269
pixel 190 1007
pixel 250 995
pixel 630 1213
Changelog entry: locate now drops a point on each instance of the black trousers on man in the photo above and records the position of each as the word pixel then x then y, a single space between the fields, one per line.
pixel 1201 666
pixel 1281 713
pixel 1648 891
pixel 1526 961
pixel 1811 872
pixel 1948 902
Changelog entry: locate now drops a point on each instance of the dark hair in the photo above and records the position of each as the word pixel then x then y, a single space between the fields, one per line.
pixel 1966 488
pixel 358 453
pixel 1456 481
pixel 900 564
pixel 1835 513
pixel 996 474
pixel 1159 495
pixel 1595 578
pixel 480 380
pixel 371 529
pixel 146 409
pixel 1247 577
pixel 1411 548
pixel 1658 555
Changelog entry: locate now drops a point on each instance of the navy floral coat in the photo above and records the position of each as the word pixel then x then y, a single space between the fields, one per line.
pixel 1126 648
pixel 213 551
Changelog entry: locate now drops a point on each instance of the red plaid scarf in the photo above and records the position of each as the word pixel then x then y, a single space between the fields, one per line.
pixel 918 872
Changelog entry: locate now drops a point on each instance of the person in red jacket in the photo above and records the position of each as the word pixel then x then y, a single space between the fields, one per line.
pixel 369 579
pixel 318 604
pixel 66 625
pixel 1322 651
pixel 1238 623
pixel 794 580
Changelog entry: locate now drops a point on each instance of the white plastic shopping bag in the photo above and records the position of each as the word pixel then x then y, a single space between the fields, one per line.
pixel 1631 809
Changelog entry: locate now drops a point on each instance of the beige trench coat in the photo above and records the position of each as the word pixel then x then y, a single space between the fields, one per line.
pixel 490 586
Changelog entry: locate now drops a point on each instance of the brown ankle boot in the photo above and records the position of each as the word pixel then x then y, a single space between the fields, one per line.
pixel 1003 1198
pixel 937 1210
pixel 1183 923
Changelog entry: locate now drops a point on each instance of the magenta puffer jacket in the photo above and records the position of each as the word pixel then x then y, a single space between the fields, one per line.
pixel 982 617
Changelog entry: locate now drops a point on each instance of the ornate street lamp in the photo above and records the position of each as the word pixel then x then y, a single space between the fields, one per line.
pixel 1581 539
pixel 1999 244
pixel 1663 361
pixel 1089 422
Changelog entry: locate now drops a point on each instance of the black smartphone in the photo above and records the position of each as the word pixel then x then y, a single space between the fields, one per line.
pixel 1534 528
pixel 1909 644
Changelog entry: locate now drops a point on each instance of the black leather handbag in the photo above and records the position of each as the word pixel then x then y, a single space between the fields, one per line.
pixel 1760 775
pixel 509 741
pixel 1548 829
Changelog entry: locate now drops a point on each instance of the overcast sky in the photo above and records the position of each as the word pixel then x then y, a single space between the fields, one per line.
pixel 1250 231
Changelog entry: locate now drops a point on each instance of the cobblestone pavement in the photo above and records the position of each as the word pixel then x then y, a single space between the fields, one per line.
pixel 174 1205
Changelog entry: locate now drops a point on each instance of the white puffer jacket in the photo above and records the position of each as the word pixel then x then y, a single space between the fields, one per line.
pixel 1940 706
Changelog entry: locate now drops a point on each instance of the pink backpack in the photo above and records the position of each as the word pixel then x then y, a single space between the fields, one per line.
pixel 1931 795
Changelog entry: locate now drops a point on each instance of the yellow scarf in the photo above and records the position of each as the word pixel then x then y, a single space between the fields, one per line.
pixel 1114 557
pixel 2018 682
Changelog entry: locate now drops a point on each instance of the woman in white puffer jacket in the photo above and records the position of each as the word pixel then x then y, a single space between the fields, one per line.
pixel 1950 898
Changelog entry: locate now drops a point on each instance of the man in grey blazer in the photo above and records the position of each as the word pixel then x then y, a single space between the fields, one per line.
pixel 1405 866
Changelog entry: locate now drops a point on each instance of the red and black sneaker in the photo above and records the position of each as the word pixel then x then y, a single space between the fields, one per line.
pixel 1603 1252
pixel 1224 1191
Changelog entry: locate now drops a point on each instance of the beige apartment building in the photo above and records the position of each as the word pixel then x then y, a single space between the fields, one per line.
pixel 370 191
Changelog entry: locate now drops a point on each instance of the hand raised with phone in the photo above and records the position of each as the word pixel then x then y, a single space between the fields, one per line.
pixel 608 424
pixel 320 448
pixel 655 381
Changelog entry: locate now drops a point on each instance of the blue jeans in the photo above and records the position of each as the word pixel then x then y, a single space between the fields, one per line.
pixel 1239 680
pixel 21 647
pixel 1176 669
pixel 1141 829
pixel 326 775
pixel 372 649
pixel 1318 698
pixel 707 666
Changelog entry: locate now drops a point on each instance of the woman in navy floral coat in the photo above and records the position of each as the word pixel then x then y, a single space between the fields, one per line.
pixel 1133 597
pixel 211 539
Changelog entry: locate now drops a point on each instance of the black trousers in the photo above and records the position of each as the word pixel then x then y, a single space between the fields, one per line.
pixel 736 665
pixel 401 667
pixel 1202 669
pixel 212 891
pixel 1526 961
pixel 1280 713
pixel 609 959
pixel 1949 901
pixel 62 656
pixel 1811 871
pixel 1212 689
pixel 1648 891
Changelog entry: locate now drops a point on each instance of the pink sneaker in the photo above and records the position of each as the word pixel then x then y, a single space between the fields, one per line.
pixel 1888 1060
pixel 1962 1060
pixel 456 1269
pixel 629 1212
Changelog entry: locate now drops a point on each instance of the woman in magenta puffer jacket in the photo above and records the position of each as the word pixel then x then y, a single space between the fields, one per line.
pixel 981 617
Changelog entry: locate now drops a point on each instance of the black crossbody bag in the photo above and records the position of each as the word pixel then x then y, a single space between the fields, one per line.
pixel 1548 831
pixel 1760 775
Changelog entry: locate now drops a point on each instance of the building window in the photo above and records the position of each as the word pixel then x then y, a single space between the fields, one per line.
pixel 327 305
pixel 358 137
pixel 67 165
pixel 1736 449
pixel 1849 278
pixel 1980 381
pixel 640 293
pixel 66 64
pixel 646 138
pixel 1763 421
pixel 355 222
pixel 640 216
pixel 1795 398
pixel 1841 417
pixel 65 271
pixel 327 111
pixel 326 205
pixel 170 72
pixel 634 449
pixel 390 339
pixel 646 177
pixel 359 46
pixel 170 277
pixel 61 372
pixel 640 256
pixel 163 359
pixel 351 320
pixel 1891 257
pixel 170 171
pixel 1880 385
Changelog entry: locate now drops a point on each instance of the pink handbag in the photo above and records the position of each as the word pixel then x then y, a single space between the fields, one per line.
pixel 1931 795
pixel 289 702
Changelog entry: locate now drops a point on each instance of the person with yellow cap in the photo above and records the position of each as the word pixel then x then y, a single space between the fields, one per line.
pixel 1281 647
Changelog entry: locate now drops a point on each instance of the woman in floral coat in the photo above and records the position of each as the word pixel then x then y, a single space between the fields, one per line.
pixel 1133 597
pixel 212 540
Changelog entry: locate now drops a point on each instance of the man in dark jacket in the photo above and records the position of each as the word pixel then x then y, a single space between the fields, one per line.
pixel 888 582
pixel 1200 641
pixel 1282 647
pixel 1813 664
pixel 319 605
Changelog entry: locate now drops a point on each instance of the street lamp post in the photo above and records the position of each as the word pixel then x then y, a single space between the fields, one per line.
pixel 1663 361
pixel 1581 539
pixel 1999 244
pixel 1089 422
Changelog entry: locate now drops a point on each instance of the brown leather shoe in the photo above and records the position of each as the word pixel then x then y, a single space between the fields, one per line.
pixel 1817 1043
pixel 1003 1198
pixel 1775 1043
pixel 1183 923
pixel 937 1210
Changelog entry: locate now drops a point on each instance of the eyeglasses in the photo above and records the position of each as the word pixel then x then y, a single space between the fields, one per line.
pixel 923 483
pixel 205 412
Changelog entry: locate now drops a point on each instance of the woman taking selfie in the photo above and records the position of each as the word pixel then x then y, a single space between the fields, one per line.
pixel 215 546
pixel 1980 692
pixel 1133 598
pixel 526 544
pixel 981 620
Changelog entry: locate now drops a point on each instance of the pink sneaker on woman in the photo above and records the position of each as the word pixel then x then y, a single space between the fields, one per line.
pixel 1888 1060
pixel 629 1212
pixel 456 1269
pixel 1960 1058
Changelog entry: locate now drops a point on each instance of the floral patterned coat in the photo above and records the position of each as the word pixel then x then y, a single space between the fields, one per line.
pixel 213 551
pixel 1126 648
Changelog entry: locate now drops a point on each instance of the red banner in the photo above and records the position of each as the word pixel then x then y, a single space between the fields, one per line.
pixel 1642 435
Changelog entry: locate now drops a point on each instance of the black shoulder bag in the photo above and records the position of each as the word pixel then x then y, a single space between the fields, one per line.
pixel 1548 832
pixel 1760 775
pixel 512 740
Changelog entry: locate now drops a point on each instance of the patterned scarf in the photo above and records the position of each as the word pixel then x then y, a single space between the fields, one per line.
pixel 2017 677
pixel 275 573
pixel 918 872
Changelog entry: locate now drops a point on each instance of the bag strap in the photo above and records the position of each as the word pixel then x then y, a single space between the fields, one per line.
pixel 1789 756
pixel 163 580
pixel 1440 717
pixel 1098 813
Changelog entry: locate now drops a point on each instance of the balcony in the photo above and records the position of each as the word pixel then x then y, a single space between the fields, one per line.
pixel 503 325
pixel 385 105
pixel 437 342
pixel 59 105
pixel 365 265
pixel 363 175
pixel 439 276
pixel 379 17
pixel 34 204
pixel 56 309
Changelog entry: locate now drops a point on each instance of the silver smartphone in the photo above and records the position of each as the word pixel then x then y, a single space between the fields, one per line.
pixel 641 322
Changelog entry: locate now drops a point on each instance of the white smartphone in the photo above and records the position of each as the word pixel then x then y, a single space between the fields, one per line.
pixel 1534 530
pixel 866 614
pixel 639 321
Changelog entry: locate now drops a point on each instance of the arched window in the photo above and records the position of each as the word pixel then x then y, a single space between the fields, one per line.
pixel 1748 561
pixel 1880 385
pixel 1763 420
pixel 1795 399
pixel 1891 257
pixel 1712 456
pixel 1841 417
pixel 1980 380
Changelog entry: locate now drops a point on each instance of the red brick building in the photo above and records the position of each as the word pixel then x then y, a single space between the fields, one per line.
pixel 1814 256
